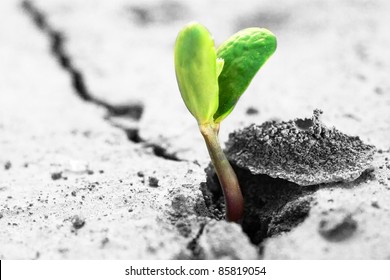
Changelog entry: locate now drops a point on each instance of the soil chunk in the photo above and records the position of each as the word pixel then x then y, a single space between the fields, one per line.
pixel 303 151
pixel 337 228
pixel 7 165
pixel 56 175
pixel 77 222
pixel 153 182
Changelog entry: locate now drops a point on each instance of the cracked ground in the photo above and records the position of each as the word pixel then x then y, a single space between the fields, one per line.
pixel 99 158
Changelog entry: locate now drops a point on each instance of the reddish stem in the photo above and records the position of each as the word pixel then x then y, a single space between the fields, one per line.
pixel 227 177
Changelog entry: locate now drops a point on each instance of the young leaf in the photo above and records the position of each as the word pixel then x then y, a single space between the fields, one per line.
pixel 243 54
pixel 196 71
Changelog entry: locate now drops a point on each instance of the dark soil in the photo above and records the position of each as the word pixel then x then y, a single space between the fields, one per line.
pixel 272 205
pixel 337 227
pixel 153 182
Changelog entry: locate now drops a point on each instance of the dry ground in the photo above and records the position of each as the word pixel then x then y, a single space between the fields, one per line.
pixel 100 158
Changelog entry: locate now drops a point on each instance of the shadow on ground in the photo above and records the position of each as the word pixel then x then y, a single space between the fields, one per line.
pixel 272 206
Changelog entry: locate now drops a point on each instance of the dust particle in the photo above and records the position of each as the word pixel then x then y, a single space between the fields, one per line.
pixel 104 241
pixel 63 250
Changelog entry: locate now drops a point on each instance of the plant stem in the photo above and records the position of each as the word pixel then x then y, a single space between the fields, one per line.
pixel 227 177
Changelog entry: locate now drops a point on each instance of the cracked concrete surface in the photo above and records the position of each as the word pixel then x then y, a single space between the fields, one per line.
pixel 88 76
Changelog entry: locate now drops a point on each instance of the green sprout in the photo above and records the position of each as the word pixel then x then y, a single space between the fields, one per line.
pixel 211 81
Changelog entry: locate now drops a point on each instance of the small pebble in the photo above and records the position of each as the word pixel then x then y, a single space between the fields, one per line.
pixel 337 228
pixel 7 165
pixel 252 111
pixel 153 182
pixel 56 175
pixel 375 204
pixel 77 222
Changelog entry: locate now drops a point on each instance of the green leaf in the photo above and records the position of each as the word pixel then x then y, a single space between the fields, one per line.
pixel 196 71
pixel 244 53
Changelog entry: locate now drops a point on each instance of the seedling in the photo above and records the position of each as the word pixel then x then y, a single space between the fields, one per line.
pixel 211 81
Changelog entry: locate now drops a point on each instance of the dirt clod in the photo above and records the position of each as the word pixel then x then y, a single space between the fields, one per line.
pixel 77 222
pixel 217 241
pixel 290 215
pixel 337 227
pixel 252 111
pixel 153 182
pixel 7 165
pixel 375 204
pixel 56 175
pixel 104 241
pixel 303 151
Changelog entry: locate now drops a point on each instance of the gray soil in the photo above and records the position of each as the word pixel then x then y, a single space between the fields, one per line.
pixel 100 159
pixel 302 151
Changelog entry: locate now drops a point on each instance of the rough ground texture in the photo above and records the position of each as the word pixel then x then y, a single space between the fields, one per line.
pixel 301 151
pixel 100 159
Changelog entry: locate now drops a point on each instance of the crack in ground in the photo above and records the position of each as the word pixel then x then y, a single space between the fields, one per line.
pixel 133 136
pixel 162 152
pixel 131 111
pixel 57 43
pixel 197 252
